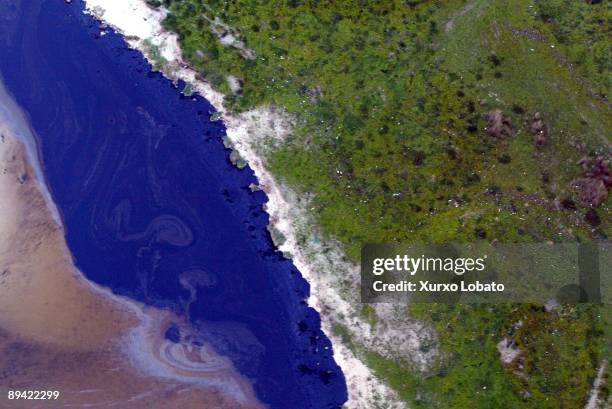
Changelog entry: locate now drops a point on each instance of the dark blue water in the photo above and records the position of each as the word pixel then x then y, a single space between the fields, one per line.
pixel 148 195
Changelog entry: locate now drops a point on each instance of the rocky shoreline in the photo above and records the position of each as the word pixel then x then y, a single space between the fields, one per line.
pixel 250 134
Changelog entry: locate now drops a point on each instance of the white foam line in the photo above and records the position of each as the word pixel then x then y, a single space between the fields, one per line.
pixel 14 120
pixel 156 356
pixel 141 26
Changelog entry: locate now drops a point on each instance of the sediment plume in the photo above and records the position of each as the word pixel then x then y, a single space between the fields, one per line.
pixel 59 331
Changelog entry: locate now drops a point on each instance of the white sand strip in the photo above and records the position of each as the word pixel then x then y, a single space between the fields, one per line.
pixel 595 401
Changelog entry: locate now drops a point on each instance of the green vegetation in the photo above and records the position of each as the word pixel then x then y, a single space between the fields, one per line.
pixel 583 32
pixel 390 99
pixel 558 356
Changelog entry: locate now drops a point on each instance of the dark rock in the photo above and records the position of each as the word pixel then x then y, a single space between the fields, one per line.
pixel 493 190
pixel 495 60
pixel 173 334
pixel 568 204
pixel 472 128
pixel 504 158
pixel 470 106
pixel 592 217
pixel 418 158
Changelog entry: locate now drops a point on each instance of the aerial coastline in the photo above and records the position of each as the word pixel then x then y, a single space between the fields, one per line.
pixel 249 133
pixel 303 204
pixel 154 210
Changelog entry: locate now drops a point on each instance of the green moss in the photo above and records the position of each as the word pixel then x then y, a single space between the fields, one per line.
pixel 559 351
pixel 369 314
pixel 159 62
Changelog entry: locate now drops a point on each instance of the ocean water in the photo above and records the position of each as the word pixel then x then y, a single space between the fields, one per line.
pixel 153 207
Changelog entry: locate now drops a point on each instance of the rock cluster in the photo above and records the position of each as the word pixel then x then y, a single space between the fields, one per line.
pixel 498 125
pixel 538 130
pixel 596 180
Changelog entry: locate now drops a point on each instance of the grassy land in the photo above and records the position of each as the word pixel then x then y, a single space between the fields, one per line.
pixel 390 99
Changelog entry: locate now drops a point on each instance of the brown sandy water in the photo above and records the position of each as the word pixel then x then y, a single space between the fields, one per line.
pixel 58 331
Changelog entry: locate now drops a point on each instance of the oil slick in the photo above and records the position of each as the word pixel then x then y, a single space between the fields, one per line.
pixel 61 332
